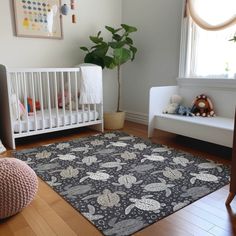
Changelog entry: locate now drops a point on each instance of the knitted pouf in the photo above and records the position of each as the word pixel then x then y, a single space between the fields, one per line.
pixel 18 186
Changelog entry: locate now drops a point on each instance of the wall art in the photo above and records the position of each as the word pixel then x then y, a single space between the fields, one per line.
pixel 38 18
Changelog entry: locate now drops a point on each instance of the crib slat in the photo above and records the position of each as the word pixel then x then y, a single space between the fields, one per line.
pixel 95 111
pixel 83 110
pixel 70 102
pixel 63 98
pixel 33 99
pixel 76 97
pixel 56 98
pixel 41 99
pixel 25 100
pixel 89 116
pixel 49 100
pixel 17 78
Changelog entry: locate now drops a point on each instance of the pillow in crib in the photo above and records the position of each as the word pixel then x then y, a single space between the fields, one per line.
pixel 15 105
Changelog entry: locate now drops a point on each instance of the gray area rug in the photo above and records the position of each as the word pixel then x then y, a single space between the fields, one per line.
pixel 122 183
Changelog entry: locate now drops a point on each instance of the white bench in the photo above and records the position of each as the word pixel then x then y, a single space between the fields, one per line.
pixel 218 130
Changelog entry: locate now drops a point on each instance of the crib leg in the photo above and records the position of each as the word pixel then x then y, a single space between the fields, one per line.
pixel 9 141
pixel 98 127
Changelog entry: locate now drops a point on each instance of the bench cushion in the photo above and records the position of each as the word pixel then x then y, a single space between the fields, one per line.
pixel 217 122
pixel 217 130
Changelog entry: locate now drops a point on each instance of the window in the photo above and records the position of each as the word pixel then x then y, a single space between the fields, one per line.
pixel 209 53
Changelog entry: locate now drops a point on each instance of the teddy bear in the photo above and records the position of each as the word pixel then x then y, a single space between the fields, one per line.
pixel 67 98
pixel 184 111
pixel 175 101
pixel 202 106
pixel 67 101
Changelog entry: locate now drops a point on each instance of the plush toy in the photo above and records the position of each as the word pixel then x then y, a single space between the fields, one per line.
pixel 67 101
pixel 30 105
pixel 175 101
pixel 184 111
pixel 202 106
pixel 18 109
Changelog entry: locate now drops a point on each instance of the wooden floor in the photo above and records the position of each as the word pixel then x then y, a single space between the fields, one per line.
pixel 50 215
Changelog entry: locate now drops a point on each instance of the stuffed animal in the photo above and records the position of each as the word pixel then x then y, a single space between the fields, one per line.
pixel 30 105
pixel 18 109
pixel 67 101
pixel 184 111
pixel 202 106
pixel 175 101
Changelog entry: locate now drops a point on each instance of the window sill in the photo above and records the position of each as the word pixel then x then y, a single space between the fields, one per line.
pixel 229 84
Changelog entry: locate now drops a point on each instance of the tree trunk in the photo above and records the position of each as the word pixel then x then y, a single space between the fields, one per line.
pixel 118 80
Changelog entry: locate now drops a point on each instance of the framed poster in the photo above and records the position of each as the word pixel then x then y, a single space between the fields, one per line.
pixel 38 18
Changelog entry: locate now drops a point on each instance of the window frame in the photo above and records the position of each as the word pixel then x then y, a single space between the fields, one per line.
pixel 184 61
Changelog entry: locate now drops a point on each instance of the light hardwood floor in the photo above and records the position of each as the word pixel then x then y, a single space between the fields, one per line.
pixel 50 215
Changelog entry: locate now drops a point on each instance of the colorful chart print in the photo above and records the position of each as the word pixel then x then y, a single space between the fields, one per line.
pixel 38 18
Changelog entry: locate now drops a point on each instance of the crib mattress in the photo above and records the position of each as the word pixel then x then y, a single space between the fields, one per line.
pixel 68 119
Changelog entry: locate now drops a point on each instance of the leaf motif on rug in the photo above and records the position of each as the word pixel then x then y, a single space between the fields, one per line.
pixel 172 174
pixel 152 157
pixel 71 191
pixel 204 176
pixel 145 204
pixel 66 157
pixel 69 172
pixel 113 164
pixel 98 175
pixel 124 227
pixel 127 181
pixel 158 187
pixel 181 161
pixel 62 146
pixel 91 214
pixel 107 198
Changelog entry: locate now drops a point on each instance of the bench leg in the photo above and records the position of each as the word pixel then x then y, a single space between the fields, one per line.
pixel 230 198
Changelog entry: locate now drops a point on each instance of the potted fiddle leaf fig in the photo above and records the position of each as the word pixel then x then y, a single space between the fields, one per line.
pixel 112 54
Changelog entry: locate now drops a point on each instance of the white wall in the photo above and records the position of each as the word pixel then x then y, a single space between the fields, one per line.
pixel 157 39
pixel 93 15
pixel 157 61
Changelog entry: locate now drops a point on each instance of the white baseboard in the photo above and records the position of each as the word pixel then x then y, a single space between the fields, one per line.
pixel 138 117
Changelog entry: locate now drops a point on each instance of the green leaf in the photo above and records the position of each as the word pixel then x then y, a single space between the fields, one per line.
pixel 116 37
pixel 128 28
pixel 109 62
pixel 95 39
pixel 95 46
pixel 112 30
pixel 117 44
pixel 99 33
pixel 133 50
pixel 101 50
pixel 84 49
pixel 92 58
pixel 129 40
pixel 100 45
pixel 121 55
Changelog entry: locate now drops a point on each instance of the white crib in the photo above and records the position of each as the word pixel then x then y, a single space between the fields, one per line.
pixel 36 101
